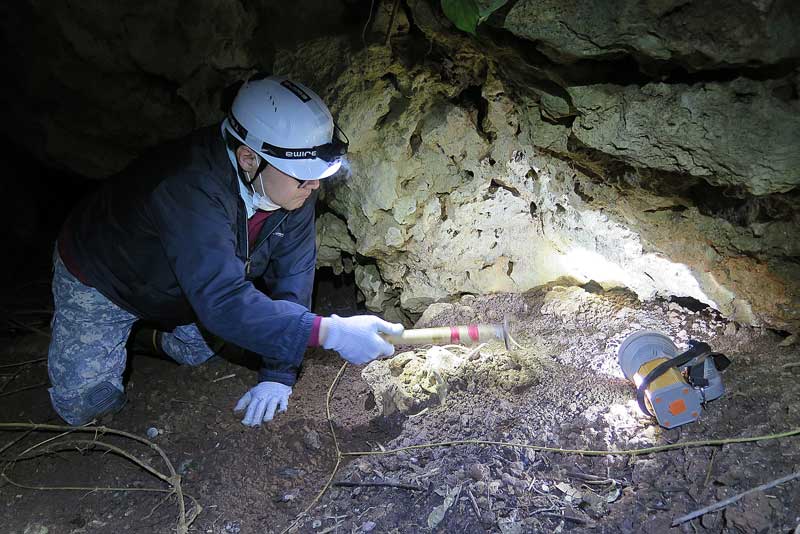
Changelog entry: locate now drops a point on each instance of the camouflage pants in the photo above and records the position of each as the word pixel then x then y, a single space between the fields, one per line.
pixel 87 353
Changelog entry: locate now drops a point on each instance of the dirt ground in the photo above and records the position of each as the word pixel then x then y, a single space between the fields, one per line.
pixel 562 389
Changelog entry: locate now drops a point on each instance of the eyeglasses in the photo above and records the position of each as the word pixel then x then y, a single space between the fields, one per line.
pixel 302 184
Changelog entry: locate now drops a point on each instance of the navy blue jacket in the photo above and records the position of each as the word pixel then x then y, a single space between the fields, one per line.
pixel 166 240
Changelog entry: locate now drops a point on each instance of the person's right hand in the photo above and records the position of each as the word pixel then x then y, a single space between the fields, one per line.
pixel 356 338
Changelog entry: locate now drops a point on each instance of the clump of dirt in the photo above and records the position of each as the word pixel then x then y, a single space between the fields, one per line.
pixel 414 381
pixel 562 389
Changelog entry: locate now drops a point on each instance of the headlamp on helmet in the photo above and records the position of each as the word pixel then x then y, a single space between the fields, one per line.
pixel 329 152
pixel 289 126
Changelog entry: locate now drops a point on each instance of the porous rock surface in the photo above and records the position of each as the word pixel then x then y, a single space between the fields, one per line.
pixel 732 134
pixel 451 195
pixel 697 35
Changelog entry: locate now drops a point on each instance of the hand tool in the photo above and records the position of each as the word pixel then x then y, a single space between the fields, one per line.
pixel 453 335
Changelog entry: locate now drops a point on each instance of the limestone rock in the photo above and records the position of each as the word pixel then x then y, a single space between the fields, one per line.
pixel 750 281
pixel 371 284
pixel 565 302
pixel 431 312
pixel 732 134
pixel 412 381
pixel 745 32
pixel 572 304
pixel 333 240
pixel 448 200
pixel 554 107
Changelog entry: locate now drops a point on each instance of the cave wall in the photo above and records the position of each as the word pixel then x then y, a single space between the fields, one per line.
pixel 652 145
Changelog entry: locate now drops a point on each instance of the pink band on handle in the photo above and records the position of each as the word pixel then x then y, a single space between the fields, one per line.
pixel 455 337
pixel 473 332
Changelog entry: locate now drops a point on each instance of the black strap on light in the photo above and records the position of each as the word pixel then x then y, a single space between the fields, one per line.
pixel 697 374
pixel 329 152
pixel 721 361
pixel 697 349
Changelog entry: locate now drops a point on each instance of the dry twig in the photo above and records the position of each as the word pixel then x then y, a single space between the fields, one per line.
pixel 584 452
pixel 590 479
pixel 730 500
pixel 474 503
pixel 173 479
pixel 32 329
pixel 378 485
pixel 710 468
pixel 11 379
pixel 26 388
pixel 391 22
pixel 29 362
pixel 366 25
pixel 15 441
pixel 571 518
pixel 220 379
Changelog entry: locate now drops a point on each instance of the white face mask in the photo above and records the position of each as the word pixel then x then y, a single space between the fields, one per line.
pixel 263 202
pixel 251 199
pixel 256 199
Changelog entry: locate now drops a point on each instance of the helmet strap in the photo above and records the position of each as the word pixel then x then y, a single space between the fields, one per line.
pixel 266 203
pixel 249 180
pixel 261 167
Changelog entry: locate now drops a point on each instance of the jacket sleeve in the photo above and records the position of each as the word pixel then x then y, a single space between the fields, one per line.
pixel 290 276
pixel 197 233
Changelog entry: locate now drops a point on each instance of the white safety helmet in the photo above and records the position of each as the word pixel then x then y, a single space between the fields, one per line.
pixel 289 126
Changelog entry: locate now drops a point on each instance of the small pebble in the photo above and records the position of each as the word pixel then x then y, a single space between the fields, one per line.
pixel 152 432
pixel 286 497
pixel 369 526
pixel 312 440
pixel 731 329
pixel 478 472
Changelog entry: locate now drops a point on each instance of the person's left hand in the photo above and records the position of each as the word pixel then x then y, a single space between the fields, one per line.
pixel 261 402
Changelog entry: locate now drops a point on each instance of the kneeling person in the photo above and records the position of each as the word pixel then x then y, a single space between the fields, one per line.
pixel 178 239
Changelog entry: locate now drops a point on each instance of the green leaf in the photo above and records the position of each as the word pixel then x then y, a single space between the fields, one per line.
pixel 465 14
pixel 493 6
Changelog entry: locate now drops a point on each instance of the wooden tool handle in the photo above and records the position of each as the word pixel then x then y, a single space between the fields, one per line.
pixel 445 335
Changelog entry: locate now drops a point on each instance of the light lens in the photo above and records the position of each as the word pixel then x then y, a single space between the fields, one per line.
pixel 331 170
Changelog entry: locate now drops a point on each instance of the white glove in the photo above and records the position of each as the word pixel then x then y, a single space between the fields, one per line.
pixel 356 338
pixel 261 402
